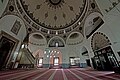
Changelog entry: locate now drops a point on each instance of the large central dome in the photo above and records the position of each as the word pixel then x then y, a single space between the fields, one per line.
pixel 54 14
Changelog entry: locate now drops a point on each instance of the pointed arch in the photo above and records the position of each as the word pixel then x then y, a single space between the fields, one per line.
pixel 99 40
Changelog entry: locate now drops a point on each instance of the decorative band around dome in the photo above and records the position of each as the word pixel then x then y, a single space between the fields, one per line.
pixel 55 14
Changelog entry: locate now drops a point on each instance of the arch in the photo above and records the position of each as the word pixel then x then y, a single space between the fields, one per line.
pixel 85 55
pixel 39 53
pixel 104 58
pixel 38 38
pixel 92 23
pixel 55 53
pixel 39 34
pixel 74 38
pixel 60 42
pixel 99 40
pixel 36 41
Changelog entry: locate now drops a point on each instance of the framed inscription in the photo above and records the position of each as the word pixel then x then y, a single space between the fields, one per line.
pixel 16 27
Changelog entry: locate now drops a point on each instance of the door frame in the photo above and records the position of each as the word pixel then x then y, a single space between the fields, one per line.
pixel 9 62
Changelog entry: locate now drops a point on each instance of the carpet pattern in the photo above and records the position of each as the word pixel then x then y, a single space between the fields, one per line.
pixel 58 74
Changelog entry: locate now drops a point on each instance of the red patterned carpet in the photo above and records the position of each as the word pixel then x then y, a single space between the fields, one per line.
pixel 58 74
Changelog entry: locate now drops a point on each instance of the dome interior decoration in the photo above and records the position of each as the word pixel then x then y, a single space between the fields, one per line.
pixel 74 35
pixel 54 14
pixel 56 42
pixel 99 40
pixel 37 39
pixel 74 38
pixel 37 36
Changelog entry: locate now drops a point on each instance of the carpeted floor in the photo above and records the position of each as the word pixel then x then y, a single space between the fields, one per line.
pixel 58 74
